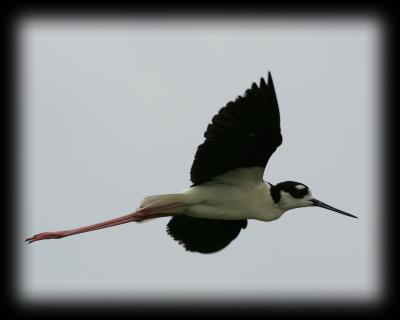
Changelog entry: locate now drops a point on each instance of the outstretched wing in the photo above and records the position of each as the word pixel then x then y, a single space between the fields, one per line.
pixel 204 235
pixel 244 133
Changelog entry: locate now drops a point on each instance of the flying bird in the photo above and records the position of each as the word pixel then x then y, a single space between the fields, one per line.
pixel 227 175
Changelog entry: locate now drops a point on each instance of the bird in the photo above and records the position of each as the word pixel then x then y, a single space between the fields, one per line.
pixel 227 174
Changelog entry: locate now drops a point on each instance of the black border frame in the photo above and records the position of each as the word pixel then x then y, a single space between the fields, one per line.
pixel 388 303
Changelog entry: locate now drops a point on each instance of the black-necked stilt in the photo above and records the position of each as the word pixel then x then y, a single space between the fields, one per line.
pixel 227 175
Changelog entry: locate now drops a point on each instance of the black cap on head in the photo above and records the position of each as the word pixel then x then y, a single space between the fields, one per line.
pixel 295 189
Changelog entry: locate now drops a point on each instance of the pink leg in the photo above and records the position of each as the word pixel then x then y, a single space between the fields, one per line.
pixel 139 215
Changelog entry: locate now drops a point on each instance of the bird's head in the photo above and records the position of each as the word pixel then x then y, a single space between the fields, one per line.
pixel 290 195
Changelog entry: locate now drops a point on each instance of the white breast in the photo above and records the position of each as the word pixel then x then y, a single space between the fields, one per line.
pixel 236 195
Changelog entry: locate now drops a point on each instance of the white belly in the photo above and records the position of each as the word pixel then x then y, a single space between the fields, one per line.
pixel 232 202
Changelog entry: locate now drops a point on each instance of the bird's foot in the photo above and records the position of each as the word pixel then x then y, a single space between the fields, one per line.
pixel 46 236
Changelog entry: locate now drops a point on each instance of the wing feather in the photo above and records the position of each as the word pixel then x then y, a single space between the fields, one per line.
pixel 204 235
pixel 244 133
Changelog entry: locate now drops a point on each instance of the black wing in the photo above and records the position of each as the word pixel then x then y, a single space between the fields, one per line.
pixel 204 235
pixel 244 133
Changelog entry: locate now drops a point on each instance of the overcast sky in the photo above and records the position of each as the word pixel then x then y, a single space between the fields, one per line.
pixel 113 110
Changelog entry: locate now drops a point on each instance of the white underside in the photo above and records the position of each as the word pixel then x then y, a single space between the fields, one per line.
pixel 236 195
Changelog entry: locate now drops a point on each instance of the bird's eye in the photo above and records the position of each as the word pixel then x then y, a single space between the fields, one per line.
pixel 299 191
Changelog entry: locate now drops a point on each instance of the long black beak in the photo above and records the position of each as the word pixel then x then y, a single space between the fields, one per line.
pixel 318 203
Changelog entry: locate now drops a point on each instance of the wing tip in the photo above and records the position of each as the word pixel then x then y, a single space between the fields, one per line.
pixel 263 84
pixel 270 82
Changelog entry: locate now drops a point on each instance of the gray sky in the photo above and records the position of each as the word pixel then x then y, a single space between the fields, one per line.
pixel 113 110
